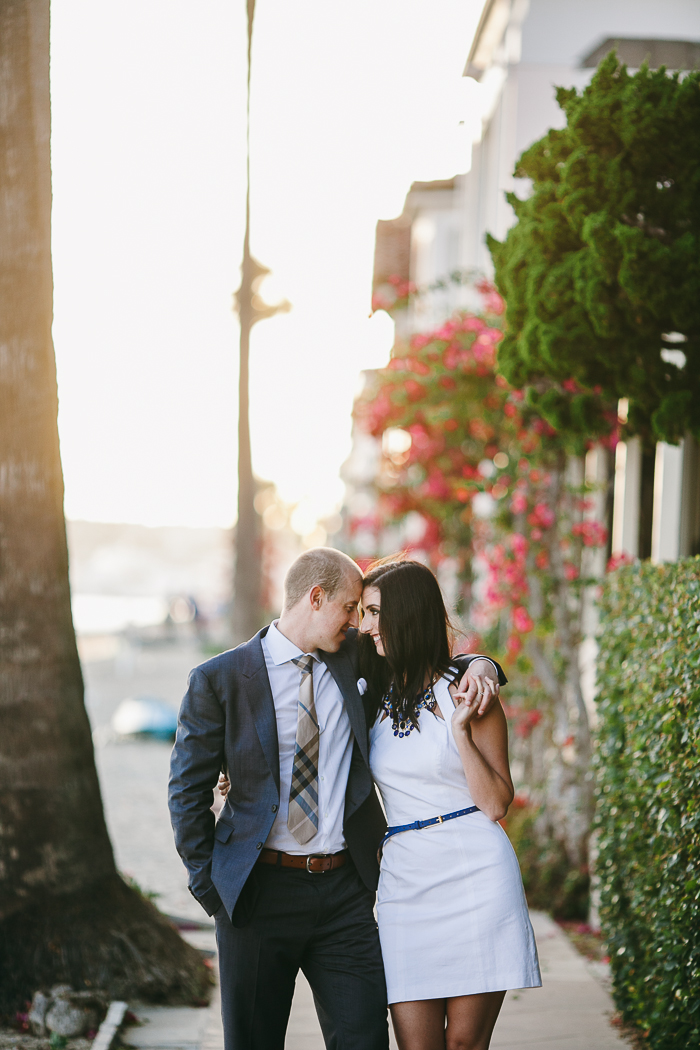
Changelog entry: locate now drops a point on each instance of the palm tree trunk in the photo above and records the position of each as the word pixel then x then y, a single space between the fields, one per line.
pixel 247 611
pixel 247 585
pixel 60 894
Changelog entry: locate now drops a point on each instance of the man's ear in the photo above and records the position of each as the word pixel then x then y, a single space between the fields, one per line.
pixel 316 595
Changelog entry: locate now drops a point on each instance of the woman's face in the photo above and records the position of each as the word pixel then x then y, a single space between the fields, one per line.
pixel 370 616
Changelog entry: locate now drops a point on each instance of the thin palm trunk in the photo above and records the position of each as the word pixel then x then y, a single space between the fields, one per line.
pixel 247 612
pixel 247 608
pixel 61 899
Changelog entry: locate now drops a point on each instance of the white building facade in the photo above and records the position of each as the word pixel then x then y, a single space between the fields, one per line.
pixel 522 50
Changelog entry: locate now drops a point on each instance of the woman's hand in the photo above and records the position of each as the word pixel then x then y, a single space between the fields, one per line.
pixel 478 683
pixel 224 784
pixel 465 712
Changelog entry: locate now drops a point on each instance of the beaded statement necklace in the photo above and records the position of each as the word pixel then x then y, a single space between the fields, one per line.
pixel 401 726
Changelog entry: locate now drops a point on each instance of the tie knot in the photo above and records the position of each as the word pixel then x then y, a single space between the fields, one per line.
pixel 305 663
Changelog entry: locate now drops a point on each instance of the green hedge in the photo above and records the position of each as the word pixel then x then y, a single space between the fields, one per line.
pixel 648 767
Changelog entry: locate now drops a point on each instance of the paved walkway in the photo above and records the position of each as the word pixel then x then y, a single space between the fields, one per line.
pixel 572 1009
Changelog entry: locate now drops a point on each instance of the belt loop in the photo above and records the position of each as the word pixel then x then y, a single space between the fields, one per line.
pixel 278 861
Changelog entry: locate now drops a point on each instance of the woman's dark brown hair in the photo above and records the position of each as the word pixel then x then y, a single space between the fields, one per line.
pixel 414 628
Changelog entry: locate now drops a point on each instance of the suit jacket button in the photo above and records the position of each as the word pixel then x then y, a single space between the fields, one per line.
pixel 275 808
pixel 259 845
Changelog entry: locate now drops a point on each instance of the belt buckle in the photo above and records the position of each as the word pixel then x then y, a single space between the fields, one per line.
pixel 314 856
pixel 440 820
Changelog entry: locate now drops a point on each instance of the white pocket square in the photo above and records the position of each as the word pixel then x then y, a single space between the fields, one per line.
pixel 361 686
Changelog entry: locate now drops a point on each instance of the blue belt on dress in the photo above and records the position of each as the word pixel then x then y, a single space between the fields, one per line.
pixel 418 824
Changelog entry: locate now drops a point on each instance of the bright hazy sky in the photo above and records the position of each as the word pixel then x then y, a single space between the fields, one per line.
pixel 351 103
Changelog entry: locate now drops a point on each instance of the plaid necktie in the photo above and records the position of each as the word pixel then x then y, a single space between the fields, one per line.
pixel 303 797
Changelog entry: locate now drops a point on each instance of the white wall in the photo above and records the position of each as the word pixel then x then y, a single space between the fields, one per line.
pixel 544 52
pixel 564 31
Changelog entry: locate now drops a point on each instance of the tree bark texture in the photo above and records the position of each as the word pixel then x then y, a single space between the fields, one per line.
pixel 47 771
pixel 55 855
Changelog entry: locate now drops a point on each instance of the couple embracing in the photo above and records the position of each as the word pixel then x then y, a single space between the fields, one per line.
pixel 307 717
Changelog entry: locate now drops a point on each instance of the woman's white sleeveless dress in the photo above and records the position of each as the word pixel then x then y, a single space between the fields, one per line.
pixel 450 906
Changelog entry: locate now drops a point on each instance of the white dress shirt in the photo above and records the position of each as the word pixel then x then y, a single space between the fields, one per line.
pixel 335 745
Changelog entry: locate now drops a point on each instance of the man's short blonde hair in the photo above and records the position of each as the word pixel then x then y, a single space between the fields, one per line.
pixel 323 567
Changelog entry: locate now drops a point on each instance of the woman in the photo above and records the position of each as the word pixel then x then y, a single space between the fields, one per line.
pixel 453 922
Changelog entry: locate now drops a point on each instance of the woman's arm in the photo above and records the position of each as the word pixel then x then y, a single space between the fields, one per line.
pixel 483 748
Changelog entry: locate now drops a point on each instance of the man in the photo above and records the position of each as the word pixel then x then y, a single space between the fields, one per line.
pixel 290 870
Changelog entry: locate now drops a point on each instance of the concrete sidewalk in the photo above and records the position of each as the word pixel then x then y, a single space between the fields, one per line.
pixel 571 1011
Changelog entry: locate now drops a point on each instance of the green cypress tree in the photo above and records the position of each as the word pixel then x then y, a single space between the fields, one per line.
pixel 603 263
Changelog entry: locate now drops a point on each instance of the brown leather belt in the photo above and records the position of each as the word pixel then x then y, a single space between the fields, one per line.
pixel 316 863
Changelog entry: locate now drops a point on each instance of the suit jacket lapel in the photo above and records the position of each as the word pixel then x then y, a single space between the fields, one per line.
pixel 262 706
pixel 340 666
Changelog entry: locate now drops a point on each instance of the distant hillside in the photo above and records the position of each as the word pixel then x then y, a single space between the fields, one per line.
pixel 114 559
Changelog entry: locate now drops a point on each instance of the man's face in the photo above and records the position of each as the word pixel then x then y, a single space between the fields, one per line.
pixel 334 616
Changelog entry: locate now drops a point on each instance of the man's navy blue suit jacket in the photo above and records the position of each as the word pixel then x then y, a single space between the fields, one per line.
pixel 227 720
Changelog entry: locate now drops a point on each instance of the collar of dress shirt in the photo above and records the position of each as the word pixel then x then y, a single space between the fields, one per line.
pixel 281 649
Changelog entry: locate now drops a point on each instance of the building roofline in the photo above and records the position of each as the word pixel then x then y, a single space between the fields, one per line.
pixel 494 17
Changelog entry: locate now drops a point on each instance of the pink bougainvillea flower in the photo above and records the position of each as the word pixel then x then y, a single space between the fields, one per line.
pixel 542 560
pixel 514 646
pixel 618 560
pixel 480 430
pixel 493 302
pixel 526 722
pixel 436 486
pixel 519 544
pixel 592 533
pixel 521 620
pixel 541 515
pixel 413 389
pixel 450 358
